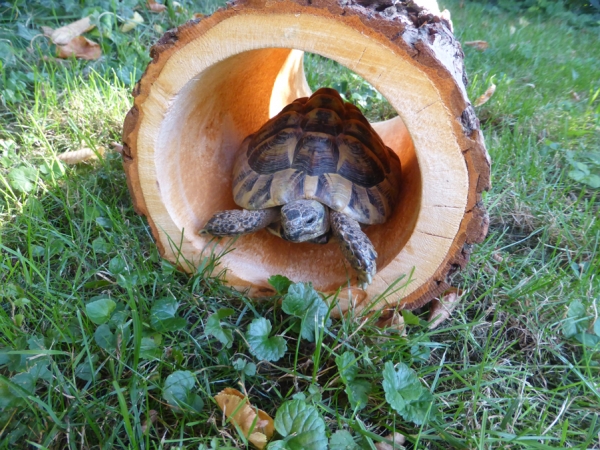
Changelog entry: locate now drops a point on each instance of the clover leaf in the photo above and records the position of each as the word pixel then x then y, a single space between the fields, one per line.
pixel 577 323
pixel 357 390
pixel 99 311
pixel 301 427
pixel 342 440
pixel 346 364
pixel 23 178
pixel 105 338
pixel 280 283
pixel 304 302
pixel 214 327
pixel 404 393
pixel 177 391
pixel 261 345
pixel 163 316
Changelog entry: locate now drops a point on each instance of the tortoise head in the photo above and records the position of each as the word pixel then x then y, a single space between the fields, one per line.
pixel 303 220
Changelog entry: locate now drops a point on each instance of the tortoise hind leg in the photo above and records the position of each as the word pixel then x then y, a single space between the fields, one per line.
pixel 356 247
pixel 234 222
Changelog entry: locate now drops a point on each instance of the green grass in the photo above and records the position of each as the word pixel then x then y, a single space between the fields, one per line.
pixel 516 366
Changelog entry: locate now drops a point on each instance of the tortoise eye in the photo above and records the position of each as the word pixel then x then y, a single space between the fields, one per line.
pixel 310 221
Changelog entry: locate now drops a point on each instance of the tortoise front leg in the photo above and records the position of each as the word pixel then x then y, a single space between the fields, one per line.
pixel 356 247
pixel 234 222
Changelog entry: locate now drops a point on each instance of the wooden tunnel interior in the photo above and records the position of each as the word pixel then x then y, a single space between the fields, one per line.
pixel 220 83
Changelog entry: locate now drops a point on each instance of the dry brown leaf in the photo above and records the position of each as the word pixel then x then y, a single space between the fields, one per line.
pixel 396 438
pixel 198 16
pixel 77 156
pixel 81 48
pixel 268 423
pixel 259 440
pixel 132 23
pixel 64 35
pixel 117 147
pixel 69 41
pixel 156 7
pixel 440 310
pixel 237 408
pixel 479 45
pixel 392 319
pixel 153 416
pixel 486 95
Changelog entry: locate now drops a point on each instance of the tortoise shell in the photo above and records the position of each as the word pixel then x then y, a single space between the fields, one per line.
pixel 318 148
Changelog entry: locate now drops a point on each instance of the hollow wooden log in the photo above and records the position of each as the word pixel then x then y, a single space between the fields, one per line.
pixel 214 81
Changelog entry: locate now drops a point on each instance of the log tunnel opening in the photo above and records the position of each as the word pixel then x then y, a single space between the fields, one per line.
pixel 199 138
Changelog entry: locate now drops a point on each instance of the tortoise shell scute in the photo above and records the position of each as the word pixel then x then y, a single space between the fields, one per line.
pixel 289 119
pixel 322 120
pixel 323 149
pixel 316 154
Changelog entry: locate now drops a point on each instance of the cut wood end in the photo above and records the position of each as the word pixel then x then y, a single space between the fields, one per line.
pixel 194 107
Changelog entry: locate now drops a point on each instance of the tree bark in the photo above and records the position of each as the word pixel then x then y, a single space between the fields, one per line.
pixel 214 81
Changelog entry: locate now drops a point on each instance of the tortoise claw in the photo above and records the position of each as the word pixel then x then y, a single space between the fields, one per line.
pixel 364 280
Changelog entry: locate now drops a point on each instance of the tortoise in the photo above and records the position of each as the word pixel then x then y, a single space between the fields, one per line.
pixel 314 170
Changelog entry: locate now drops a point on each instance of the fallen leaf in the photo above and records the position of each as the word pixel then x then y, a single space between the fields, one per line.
pixel 80 47
pixel 69 41
pixel 77 156
pixel 259 440
pixel 156 7
pixel 64 35
pixel 486 95
pixel 392 319
pixel 117 147
pixel 396 438
pixel 439 310
pixel 132 23
pixel 479 45
pixel 237 408
pixel 198 16
pixel 153 416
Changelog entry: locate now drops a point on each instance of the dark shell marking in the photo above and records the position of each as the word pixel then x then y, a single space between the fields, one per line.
pixel 323 149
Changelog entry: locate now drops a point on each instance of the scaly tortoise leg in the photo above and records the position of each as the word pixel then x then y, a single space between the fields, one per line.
pixel 356 247
pixel 234 222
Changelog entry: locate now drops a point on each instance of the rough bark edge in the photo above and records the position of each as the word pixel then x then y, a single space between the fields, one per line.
pixel 414 30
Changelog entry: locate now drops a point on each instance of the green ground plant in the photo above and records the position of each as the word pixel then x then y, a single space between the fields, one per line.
pixel 105 345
